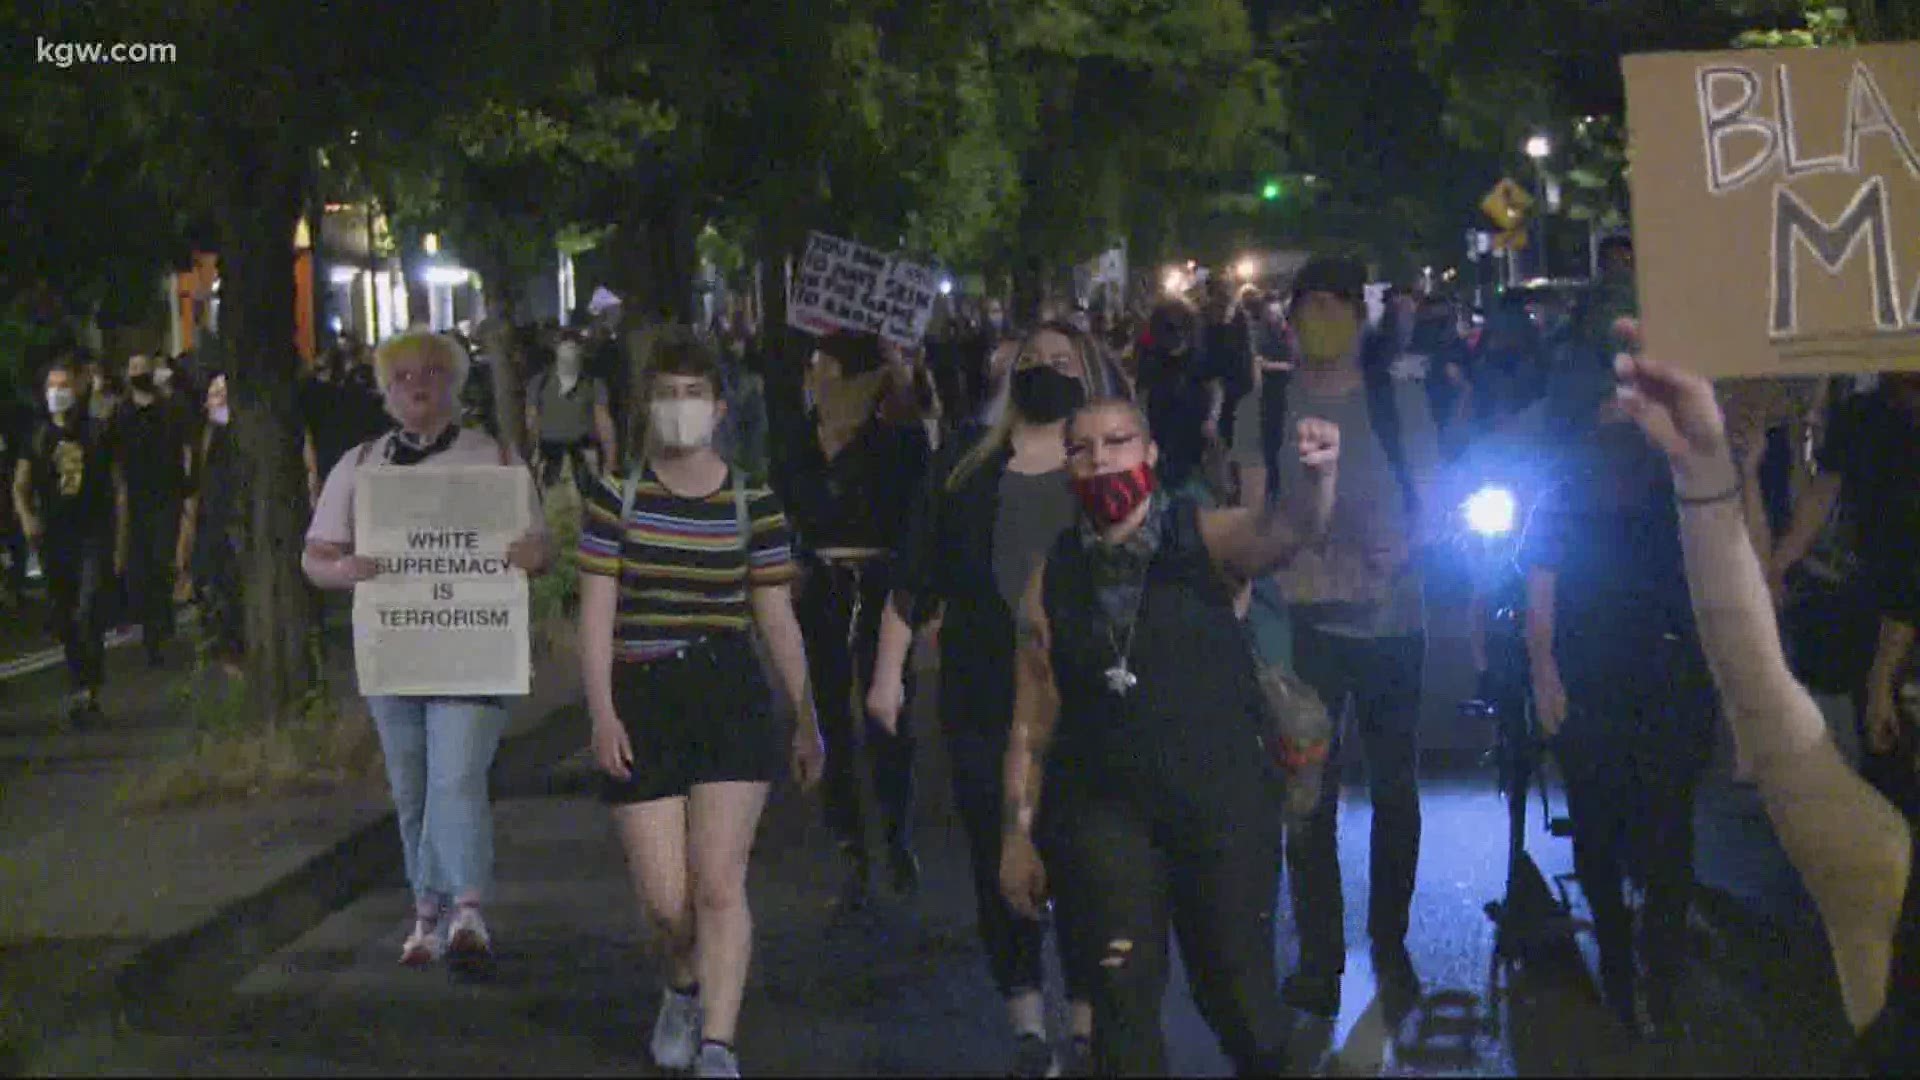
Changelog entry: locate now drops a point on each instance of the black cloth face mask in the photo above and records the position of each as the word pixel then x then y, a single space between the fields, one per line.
pixel 403 449
pixel 1044 395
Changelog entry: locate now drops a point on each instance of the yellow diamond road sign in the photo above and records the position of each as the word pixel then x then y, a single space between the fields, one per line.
pixel 1511 240
pixel 1507 204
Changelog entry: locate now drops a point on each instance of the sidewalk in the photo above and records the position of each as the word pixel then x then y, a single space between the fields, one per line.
pixel 99 906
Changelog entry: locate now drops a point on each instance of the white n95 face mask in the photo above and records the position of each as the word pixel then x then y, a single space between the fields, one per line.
pixel 684 423
pixel 59 399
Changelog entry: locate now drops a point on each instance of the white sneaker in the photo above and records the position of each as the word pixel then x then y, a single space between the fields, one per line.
pixel 467 938
pixel 716 1060
pixel 422 947
pixel 676 1030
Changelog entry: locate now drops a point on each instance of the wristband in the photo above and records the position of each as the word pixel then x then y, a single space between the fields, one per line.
pixel 1708 500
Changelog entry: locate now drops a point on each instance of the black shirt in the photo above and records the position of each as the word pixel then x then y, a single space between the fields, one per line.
pixel 1177 403
pixel 1611 534
pixel 1875 448
pixel 1186 736
pixel 861 497
pixel 153 440
pixel 72 470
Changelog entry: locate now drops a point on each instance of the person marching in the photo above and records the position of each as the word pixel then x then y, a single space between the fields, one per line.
pixel 993 505
pixel 438 749
pixel 70 496
pixel 214 521
pixel 155 441
pixel 680 561
pixel 1141 768
pixel 851 479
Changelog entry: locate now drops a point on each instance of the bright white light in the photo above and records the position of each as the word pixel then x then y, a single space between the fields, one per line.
pixel 1246 268
pixel 1491 511
pixel 1174 281
pixel 1539 146
pixel 446 275
pixel 946 286
pixel 342 275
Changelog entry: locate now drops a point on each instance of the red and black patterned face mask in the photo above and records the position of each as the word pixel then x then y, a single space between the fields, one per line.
pixel 1109 497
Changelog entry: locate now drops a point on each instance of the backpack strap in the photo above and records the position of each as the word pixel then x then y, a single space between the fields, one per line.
pixel 743 523
pixel 1383 414
pixel 628 485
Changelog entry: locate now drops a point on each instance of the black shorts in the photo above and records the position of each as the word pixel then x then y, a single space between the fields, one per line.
pixel 702 717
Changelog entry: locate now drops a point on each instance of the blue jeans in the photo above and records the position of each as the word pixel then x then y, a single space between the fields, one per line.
pixel 438 751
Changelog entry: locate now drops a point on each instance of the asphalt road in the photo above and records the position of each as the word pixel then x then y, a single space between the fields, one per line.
pixel 901 989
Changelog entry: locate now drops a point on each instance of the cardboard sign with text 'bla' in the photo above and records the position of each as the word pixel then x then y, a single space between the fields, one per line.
pixel 1776 208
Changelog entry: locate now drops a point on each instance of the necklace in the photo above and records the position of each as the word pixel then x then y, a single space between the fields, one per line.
pixel 1120 678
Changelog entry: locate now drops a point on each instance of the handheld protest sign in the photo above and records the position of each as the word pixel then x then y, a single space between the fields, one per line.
pixel 841 285
pixel 448 615
pixel 1776 208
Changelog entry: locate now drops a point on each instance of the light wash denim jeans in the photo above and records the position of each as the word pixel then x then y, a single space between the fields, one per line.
pixel 438 751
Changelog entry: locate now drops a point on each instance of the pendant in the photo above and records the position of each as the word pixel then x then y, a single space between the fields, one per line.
pixel 1120 680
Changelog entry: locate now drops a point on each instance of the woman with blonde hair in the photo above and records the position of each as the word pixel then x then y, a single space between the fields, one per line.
pixel 438 749
pixel 991 507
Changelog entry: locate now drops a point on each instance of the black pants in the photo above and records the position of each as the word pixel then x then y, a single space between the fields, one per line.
pixel 150 564
pixel 78 571
pixel 13 544
pixel 553 454
pixel 839 610
pixel 1126 873
pixel 1635 743
pixel 1274 437
pixel 977 754
pixel 1381 676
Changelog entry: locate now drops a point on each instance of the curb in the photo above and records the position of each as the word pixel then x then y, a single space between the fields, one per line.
pixel 180 976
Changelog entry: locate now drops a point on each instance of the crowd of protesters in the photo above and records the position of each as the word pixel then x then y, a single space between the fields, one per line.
pixel 1118 517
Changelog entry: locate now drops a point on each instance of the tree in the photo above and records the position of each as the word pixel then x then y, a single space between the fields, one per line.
pixel 307 79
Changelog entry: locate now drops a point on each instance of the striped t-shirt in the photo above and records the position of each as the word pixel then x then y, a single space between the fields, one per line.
pixel 682 568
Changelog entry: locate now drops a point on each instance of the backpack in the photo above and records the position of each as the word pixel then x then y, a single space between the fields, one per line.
pixel 1296 728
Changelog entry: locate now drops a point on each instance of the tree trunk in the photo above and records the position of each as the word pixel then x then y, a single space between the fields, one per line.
pixel 654 259
pixel 258 327
pixel 503 351
pixel 413 264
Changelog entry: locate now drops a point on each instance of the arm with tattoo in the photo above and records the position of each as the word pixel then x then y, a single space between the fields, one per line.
pixel 1036 707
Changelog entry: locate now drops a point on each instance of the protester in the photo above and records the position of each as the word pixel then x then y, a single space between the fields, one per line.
pixel 71 499
pixel 569 413
pixel 680 561
pixel 1868 469
pixel 154 443
pixel 1622 690
pixel 1854 851
pixel 852 479
pixel 1180 392
pixel 1359 631
pixel 1139 760
pixel 214 521
pixel 438 749
pixel 991 508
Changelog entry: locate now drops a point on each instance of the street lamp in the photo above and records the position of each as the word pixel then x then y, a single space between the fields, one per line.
pixel 1539 147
